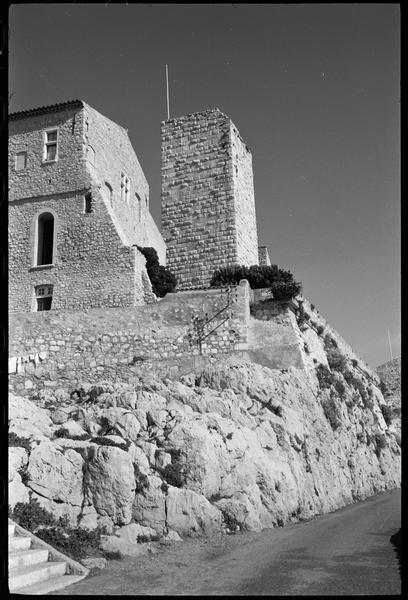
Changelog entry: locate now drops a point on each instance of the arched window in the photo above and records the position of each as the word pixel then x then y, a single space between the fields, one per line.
pixel 45 239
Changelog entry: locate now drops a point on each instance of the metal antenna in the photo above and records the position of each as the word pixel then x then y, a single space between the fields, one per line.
pixel 389 341
pixel 167 89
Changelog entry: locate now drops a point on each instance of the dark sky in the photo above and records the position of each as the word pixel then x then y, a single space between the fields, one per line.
pixel 314 91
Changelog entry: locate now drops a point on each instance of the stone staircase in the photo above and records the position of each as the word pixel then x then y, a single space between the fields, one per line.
pixel 35 567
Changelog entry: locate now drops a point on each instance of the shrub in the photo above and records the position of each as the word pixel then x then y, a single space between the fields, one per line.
pixel 354 362
pixel 112 555
pixel 230 521
pixel 336 360
pixel 332 412
pixel 103 441
pixel 325 376
pixel 277 410
pixel 15 441
pixel 383 388
pixel 380 441
pixel 142 481
pixel 173 475
pixel 340 387
pixel 163 280
pixel 329 342
pixel 320 329
pixel 62 432
pixel 284 290
pixel 279 281
pixel 75 542
pixel 32 515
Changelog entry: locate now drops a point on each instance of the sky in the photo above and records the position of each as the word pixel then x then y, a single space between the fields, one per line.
pixel 314 90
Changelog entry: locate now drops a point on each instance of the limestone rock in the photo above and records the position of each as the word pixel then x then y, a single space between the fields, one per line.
pixel 17 458
pixel 189 513
pixel 56 475
pixel 149 506
pixel 112 543
pixel 25 413
pixel 110 483
pixel 17 491
pixel 132 532
pixel 88 519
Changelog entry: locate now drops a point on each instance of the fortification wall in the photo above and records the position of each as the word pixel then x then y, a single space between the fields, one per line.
pixel 50 349
pixel 306 339
pixel 198 212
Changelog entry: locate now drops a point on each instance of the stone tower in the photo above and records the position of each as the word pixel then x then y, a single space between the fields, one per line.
pixel 208 205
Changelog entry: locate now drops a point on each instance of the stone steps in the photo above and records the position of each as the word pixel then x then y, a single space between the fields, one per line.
pixel 31 570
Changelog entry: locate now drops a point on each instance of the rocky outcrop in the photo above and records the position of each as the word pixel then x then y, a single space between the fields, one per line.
pixel 239 446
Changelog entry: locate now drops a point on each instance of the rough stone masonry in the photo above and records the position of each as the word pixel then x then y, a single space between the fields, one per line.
pixel 208 205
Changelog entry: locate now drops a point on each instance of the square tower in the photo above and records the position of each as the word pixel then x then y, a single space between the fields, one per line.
pixel 208 205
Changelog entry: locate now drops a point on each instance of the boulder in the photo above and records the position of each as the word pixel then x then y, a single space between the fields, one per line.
pixel 149 506
pixel 112 543
pixel 73 429
pixel 61 414
pixel 128 426
pixel 55 474
pixel 105 525
pixel 17 458
pixel 17 491
pixel 110 483
pixel 23 412
pixel 189 513
pixel 139 458
pixel 88 519
pixel 131 533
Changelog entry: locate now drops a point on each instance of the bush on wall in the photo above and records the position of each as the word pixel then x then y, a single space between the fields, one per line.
pixel 162 279
pixel 280 281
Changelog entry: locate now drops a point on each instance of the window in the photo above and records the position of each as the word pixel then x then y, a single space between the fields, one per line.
pixel 45 239
pixel 43 296
pixel 21 161
pixel 124 187
pixel 88 203
pixel 50 145
pixel 110 192
pixel 139 207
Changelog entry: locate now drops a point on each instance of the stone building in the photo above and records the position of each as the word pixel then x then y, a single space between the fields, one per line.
pixel 208 205
pixel 78 205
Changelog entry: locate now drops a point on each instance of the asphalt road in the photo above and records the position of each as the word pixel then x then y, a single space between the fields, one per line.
pixel 347 552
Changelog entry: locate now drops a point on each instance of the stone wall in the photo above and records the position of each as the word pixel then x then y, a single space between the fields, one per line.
pixel 48 348
pixel 91 267
pixel 282 339
pixel 41 178
pixel 208 210
pixel 109 152
pixel 263 256
pixel 244 200
pixel 94 263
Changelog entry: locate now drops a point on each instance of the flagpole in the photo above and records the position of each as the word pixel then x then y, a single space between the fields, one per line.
pixel 167 89
pixel 389 341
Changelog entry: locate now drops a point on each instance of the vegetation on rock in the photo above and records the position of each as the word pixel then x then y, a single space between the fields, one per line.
pixel 162 279
pixel 280 281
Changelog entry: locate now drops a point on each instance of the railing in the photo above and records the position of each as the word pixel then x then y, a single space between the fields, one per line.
pixel 200 327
